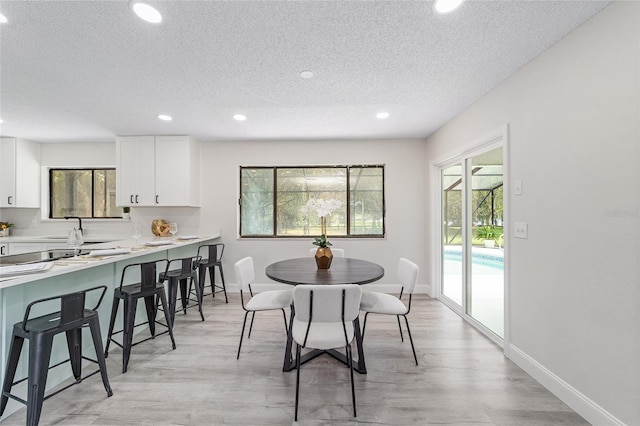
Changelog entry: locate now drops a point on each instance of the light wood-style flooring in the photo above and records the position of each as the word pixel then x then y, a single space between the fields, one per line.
pixel 462 379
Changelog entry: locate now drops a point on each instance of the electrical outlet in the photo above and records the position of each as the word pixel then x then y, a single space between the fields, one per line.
pixel 521 230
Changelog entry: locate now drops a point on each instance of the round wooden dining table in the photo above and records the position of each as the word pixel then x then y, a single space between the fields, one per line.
pixel 343 270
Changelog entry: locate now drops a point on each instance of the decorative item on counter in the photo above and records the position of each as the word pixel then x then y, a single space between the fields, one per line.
pixel 4 228
pixel 323 208
pixel 126 212
pixel 173 229
pixel 160 227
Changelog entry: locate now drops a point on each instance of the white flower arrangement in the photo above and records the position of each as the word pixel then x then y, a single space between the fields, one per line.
pixel 322 208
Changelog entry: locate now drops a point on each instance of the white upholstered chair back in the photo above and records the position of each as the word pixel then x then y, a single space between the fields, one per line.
pixel 245 273
pixel 327 302
pixel 407 275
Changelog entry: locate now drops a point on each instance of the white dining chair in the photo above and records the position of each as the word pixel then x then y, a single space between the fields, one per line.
pixel 382 303
pixel 328 326
pixel 263 301
pixel 337 252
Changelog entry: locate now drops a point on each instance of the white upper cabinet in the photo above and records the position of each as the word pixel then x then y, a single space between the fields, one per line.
pixel 135 171
pixel 177 171
pixel 157 171
pixel 19 173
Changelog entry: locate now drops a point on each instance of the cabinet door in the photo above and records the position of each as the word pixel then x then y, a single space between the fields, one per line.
pixel 135 171
pixel 27 177
pixel 174 172
pixel 7 172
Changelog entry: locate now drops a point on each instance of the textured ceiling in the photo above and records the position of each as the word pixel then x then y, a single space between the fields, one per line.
pixel 91 70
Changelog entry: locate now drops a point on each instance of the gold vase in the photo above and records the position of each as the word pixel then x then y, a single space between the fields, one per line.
pixel 324 257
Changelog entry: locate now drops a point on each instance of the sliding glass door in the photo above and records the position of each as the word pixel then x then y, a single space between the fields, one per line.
pixel 452 226
pixel 472 240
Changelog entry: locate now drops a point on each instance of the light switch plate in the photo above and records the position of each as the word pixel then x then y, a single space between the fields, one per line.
pixel 521 230
pixel 517 187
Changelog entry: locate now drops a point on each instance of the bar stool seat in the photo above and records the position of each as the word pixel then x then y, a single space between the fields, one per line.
pixel 40 331
pixel 152 292
pixel 214 258
pixel 187 272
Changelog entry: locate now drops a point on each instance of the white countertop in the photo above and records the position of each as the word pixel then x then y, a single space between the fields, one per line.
pixel 67 265
pixel 54 239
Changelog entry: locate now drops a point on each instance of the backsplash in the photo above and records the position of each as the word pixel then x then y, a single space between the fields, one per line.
pixel 28 222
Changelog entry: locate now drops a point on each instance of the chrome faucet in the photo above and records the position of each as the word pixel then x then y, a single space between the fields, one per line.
pixel 79 222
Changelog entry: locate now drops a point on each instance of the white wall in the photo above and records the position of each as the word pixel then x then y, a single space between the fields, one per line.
pixel 30 221
pixel 574 120
pixel 405 178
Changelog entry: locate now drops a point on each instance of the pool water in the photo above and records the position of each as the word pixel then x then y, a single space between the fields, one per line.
pixel 487 284
pixel 489 260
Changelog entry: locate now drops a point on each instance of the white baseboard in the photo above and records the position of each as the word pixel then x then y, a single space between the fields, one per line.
pixel 589 410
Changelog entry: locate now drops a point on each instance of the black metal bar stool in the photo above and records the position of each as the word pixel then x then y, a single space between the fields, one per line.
pixel 40 331
pixel 186 273
pixel 151 291
pixel 214 258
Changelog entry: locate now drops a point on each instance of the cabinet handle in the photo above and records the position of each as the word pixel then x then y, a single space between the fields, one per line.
pixel 157 199
pixel 136 199
pixel 131 198
pixel 10 199
pixel 2 253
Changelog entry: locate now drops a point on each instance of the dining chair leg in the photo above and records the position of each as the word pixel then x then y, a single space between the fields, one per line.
pixel 112 322
pixel 198 294
pixel 411 339
pixel 224 286
pixel 353 389
pixel 12 366
pixel 151 307
pixel 212 276
pixel 244 323
pixel 167 317
pixel 297 379
pixel 94 327
pixel 184 296
pixel 400 327
pixel 253 315
pixel 202 276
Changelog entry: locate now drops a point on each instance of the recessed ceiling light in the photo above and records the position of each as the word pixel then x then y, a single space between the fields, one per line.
pixel 446 6
pixel 306 74
pixel 3 19
pixel 146 12
pixel 165 117
pixel 382 115
pixel 239 117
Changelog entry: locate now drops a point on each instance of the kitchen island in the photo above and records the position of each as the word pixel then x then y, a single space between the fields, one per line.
pixel 73 274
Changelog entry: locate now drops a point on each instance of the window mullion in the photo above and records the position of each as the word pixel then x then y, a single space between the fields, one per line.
pixel 348 209
pixel 275 202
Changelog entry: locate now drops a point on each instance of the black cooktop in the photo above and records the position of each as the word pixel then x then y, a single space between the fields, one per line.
pixel 38 256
